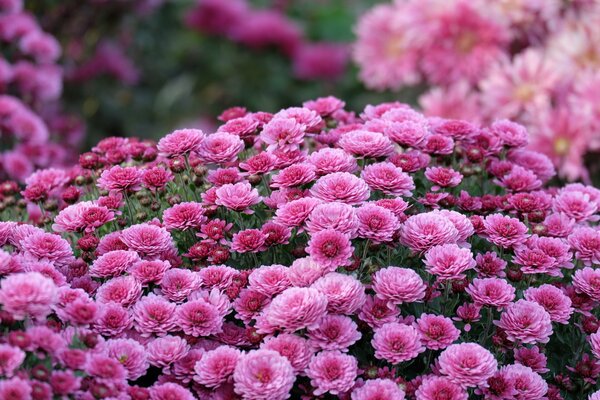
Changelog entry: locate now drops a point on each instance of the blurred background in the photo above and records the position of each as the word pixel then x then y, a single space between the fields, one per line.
pixel 75 71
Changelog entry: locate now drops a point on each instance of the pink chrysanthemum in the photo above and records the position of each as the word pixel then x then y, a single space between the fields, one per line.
pixel 10 359
pixel 423 231
pixel 504 231
pixel 47 247
pixel 330 248
pixel 27 295
pixel 123 290
pixel 292 347
pixel 341 186
pixel 448 261
pixel 335 332
pixel 184 216
pixel 334 215
pixel 362 143
pixel 376 223
pixel 493 292
pixel 388 178
pixel 395 343
pixel 220 148
pixel 112 320
pixel 443 177
pixel 154 315
pixel 148 240
pixel 83 216
pixel 586 243
pixel 329 160
pixel 113 263
pixel 554 301
pixel 376 312
pixel 166 350
pixel 121 179
pixel 199 318
pixel 170 390
pixel 345 294
pixel 436 387
pixel 237 197
pixel 180 142
pixel 178 283
pixel 263 375
pixel 305 271
pixel 295 212
pixel 526 322
pixel 437 332
pixel 587 280
pixel 283 133
pixel 378 389
pixel 528 384
pixel 216 366
pixel 332 372
pixel 398 285
pixel 269 280
pixel 131 354
pixel 467 364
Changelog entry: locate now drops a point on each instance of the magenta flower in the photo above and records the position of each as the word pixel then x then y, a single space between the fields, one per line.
pixel 388 178
pixel 121 179
pixel 330 248
pixel 443 177
pixel 504 231
pixel 332 372
pixel 526 322
pixel 395 343
pixel 437 332
pixel 376 223
pixel 220 148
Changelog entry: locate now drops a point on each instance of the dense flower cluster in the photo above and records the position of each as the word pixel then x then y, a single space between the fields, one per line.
pixel 535 62
pixel 312 253
pixel 34 134
pixel 238 21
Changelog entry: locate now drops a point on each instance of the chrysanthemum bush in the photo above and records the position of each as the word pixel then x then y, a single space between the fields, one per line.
pixel 532 61
pixel 311 253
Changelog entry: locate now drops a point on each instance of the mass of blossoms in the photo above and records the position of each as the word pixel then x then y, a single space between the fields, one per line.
pixel 260 28
pixel 33 131
pixel 313 253
pixel 533 61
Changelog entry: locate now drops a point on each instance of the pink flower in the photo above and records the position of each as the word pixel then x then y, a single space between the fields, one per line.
pixel 587 280
pixel 376 312
pixel 362 143
pixel 124 290
pixel 330 248
pixel 398 285
pixel 10 359
pixel 345 294
pixel 184 216
pixel 27 295
pixel 84 216
pixel 332 372
pixel 384 51
pixel 388 178
pixel 341 186
pixel 528 384
pixel 148 240
pixel 395 343
pixel 335 332
pixel 249 304
pixel 490 265
pixel 448 261
pixel 295 212
pixel 436 387
pixel 467 364
pixel 322 60
pixel 575 205
pixel 259 164
pixel 149 271
pixel 180 142
pixel 292 347
pixel 378 389
pixel 294 175
pixel 263 374
pixel 166 350
pixel 554 301
pixel 237 197
pixel 526 322
pixel 130 354
pixel 112 320
pixel 504 231
pixel 532 358
pixel 156 178
pixel 103 367
pixel 334 215
pixel 220 148
pixel 199 318
pixel 292 310
pixel 283 133
pixel 437 332
pixel 216 366
pixel 113 263
pixel 594 340
pixel 154 314
pixel 269 280
pixel 463 225
pixel 178 283
pixel 422 231
pixel 376 223
pixel 539 163
pixel 170 390
pixel 121 179
pixel 510 133
pixel 493 292
pixel 329 160
pixel 586 243
pixel 519 179
pixel 15 388
pixel 217 276
pixel 248 241
pixel 47 247
pixel 305 271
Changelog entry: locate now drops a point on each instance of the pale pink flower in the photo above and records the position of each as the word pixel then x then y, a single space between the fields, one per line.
pixel 170 390
pixel 332 372
pixel 335 332
pixel 283 133
pixel 575 205
pixel 376 223
pixel 184 216
pixel 163 351
pixel 388 178
pixel 113 263
pixel 295 212
pixel 458 100
pixel 396 342
pixel 180 142
pixel 467 364
pixel 345 294
pixel 526 322
pixel 433 387
pixel 44 246
pixel 131 354
pixel 83 216
pixel 398 285
pixel 329 160
pixel 154 314
pixel 437 332
pixel 294 175
pixel 341 186
pixel 378 389
pixel 237 197
pixel 269 280
pixel 10 359
pixel 334 215
pixel 363 143
pixel 220 148
pixel 294 348
pixel 305 271
pixel 263 375
pixel 27 295
pixel 216 366
pixel 448 261
pixel 493 292
pixel 422 231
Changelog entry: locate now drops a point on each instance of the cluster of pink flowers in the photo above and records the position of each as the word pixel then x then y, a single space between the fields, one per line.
pixel 239 22
pixel 36 133
pixel 535 62
pixel 308 254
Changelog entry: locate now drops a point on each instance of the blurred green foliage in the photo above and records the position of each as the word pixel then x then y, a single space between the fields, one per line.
pixel 186 76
